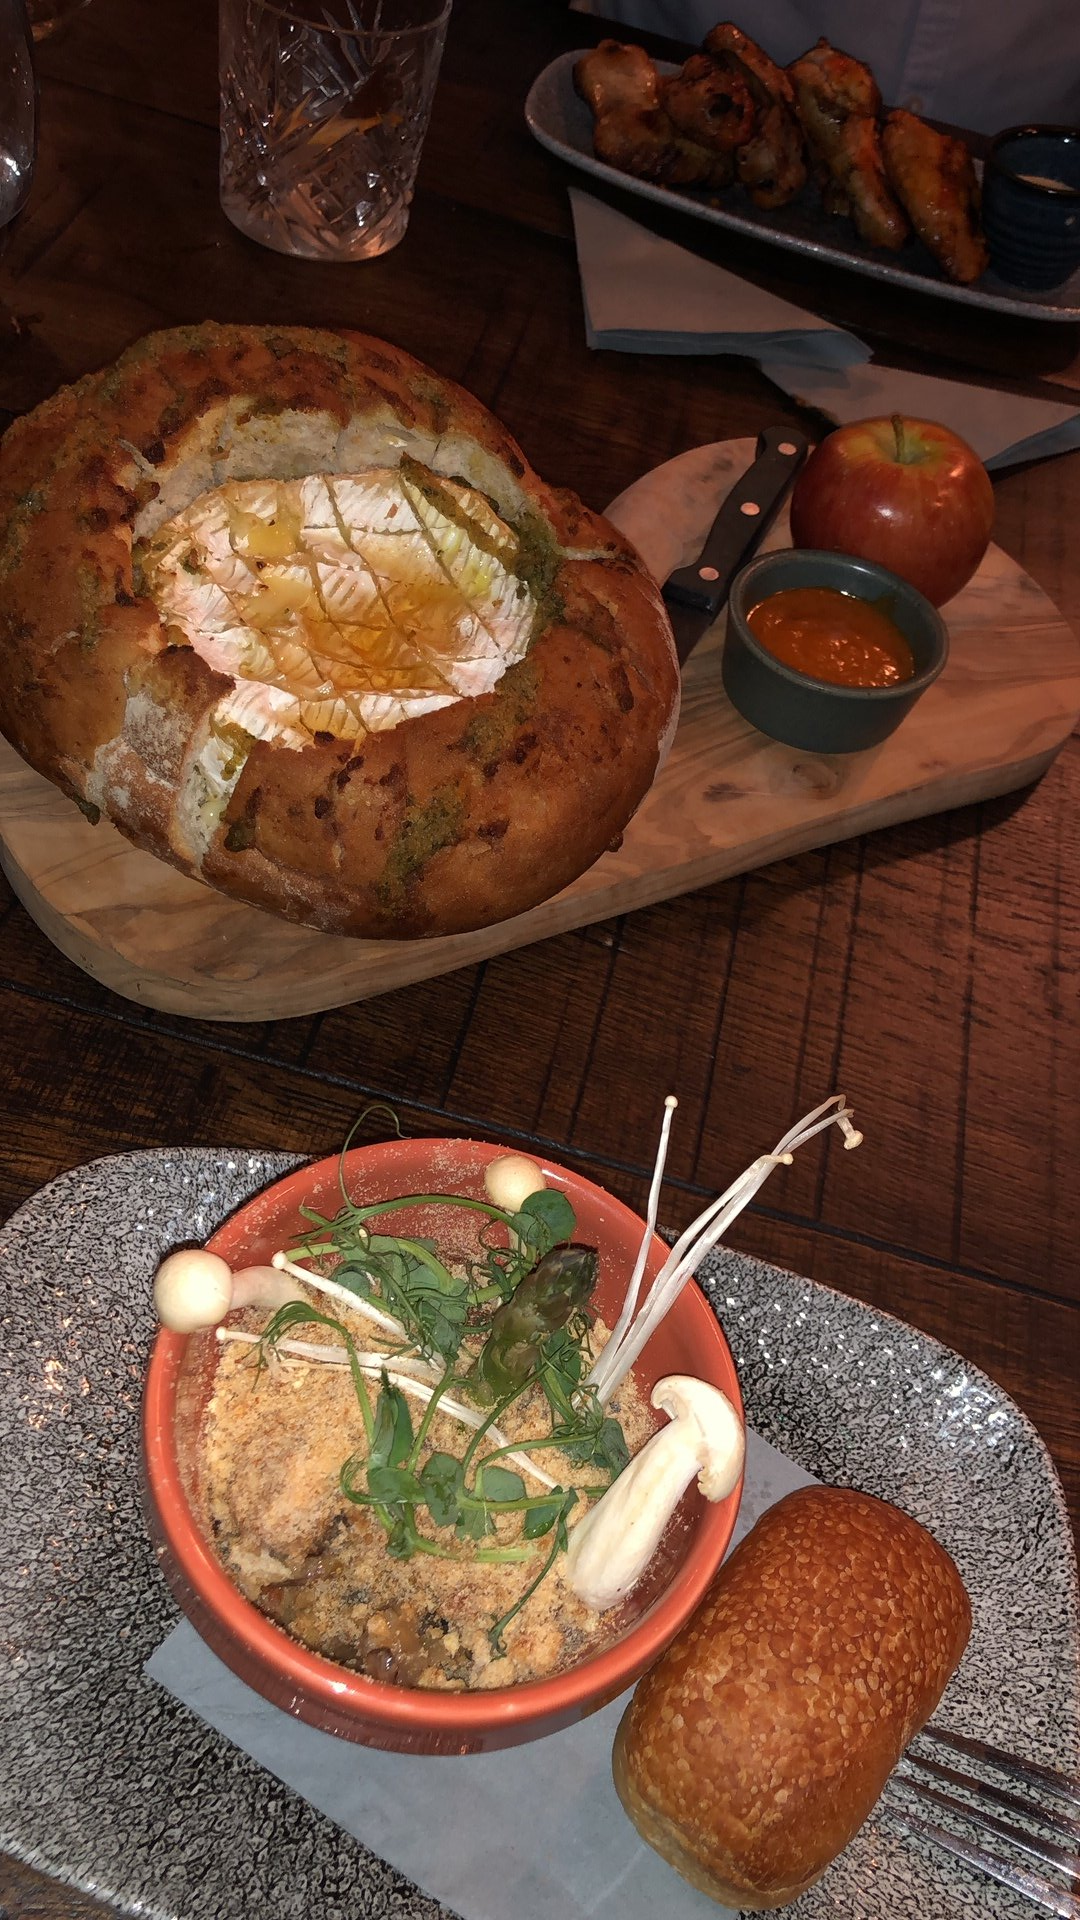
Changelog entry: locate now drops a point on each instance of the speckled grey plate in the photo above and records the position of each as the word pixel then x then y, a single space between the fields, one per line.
pixel 561 121
pixel 107 1782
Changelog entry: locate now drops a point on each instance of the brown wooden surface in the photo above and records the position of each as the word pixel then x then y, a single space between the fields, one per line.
pixel 932 970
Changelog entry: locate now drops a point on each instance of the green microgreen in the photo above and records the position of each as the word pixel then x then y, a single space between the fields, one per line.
pixel 522 1303
pixel 443 1481
pixel 391 1442
pixel 558 1545
pixel 544 1220
pixel 298 1314
pixel 373 1107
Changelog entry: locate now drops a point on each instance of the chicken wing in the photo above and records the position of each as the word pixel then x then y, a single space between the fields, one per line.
pixel 772 163
pixel 843 85
pixel 710 101
pixel 933 175
pixel 839 103
pixel 727 38
pixel 631 129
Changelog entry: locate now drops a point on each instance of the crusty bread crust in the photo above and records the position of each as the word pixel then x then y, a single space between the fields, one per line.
pixel 755 1748
pixel 449 821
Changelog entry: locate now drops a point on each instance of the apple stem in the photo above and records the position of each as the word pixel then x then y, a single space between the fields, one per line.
pixel 898 436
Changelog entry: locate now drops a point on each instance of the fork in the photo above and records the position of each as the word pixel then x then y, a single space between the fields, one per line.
pixel 973 1805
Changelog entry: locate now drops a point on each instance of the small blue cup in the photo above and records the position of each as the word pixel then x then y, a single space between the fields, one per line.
pixel 1031 204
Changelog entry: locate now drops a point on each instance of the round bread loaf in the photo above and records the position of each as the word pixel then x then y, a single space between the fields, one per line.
pixel 755 1748
pixel 297 615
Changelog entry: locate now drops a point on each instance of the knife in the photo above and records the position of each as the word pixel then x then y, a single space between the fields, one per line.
pixel 695 594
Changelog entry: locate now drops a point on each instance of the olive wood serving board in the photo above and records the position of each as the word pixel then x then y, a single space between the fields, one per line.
pixel 727 800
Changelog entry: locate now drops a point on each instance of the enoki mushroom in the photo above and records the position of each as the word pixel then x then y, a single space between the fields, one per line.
pixel 634 1330
pixel 342 1295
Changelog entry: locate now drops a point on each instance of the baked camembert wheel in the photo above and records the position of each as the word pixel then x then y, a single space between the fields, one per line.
pixel 296 614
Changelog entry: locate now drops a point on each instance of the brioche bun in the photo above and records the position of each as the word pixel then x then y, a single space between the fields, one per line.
pixel 754 1749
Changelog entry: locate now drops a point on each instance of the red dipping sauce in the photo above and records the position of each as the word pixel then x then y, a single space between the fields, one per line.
pixel 832 636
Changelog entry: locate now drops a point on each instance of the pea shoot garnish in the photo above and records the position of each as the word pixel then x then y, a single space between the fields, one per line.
pixel 473 1338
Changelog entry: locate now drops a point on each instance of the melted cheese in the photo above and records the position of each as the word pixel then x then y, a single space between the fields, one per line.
pixel 341 603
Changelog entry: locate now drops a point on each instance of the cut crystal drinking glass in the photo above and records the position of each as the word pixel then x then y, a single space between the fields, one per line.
pixel 324 108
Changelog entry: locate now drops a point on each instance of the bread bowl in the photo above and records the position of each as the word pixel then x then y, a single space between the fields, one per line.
pixel 470 724
pixel 755 1748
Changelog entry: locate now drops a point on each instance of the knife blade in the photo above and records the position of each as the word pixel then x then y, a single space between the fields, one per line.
pixel 695 594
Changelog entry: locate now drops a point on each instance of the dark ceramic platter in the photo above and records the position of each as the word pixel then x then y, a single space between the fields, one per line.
pixel 561 121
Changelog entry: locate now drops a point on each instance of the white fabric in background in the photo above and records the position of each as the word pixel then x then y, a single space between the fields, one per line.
pixel 1003 428
pixel 984 64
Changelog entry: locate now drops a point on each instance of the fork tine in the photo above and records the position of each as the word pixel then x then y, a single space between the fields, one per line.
pixel 1031 1885
pixel 1010 1763
pixel 1060 1823
pixel 1031 1843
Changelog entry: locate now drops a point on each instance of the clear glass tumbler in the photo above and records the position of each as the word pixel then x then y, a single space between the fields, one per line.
pixel 18 110
pixel 324 108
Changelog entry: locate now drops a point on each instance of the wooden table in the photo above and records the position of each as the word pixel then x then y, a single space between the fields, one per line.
pixel 931 971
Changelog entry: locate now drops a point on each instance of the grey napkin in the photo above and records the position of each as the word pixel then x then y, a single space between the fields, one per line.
pixel 1003 428
pixel 599 1870
pixel 644 294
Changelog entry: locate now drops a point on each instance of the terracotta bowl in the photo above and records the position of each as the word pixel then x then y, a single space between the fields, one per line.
pixel 377 1713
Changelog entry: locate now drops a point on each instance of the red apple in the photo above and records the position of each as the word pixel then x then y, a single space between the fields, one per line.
pixel 906 493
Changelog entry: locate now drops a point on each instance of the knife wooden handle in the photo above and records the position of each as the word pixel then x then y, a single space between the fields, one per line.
pixel 748 511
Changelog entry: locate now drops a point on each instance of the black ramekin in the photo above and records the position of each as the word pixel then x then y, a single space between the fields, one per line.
pixel 1032 224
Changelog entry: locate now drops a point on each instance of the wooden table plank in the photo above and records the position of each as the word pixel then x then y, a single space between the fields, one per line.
pixel 26 1895
pixel 1020 1178
pixel 906 999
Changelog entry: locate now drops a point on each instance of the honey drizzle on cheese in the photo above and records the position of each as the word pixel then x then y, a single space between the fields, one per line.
pixel 355 596
pixel 339 604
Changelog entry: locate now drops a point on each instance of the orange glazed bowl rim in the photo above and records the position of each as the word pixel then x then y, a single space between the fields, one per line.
pixel 319 1690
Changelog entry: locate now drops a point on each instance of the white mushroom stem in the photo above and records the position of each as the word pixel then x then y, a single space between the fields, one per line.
pixel 613 1543
pixel 613 1364
pixel 327 1356
pixel 616 1359
pixel 342 1295
pixel 263 1287
pixel 412 1376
